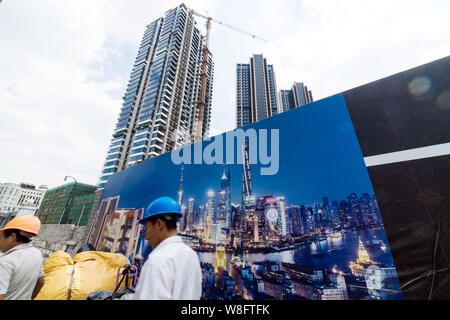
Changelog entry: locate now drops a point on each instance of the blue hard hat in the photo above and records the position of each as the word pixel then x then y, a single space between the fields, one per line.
pixel 160 206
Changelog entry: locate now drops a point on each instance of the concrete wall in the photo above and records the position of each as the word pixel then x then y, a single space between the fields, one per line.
pixel 56 237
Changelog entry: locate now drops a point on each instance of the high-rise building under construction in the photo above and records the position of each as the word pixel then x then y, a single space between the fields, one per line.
pixel 298 96
pixel 161 104
pixel 256 91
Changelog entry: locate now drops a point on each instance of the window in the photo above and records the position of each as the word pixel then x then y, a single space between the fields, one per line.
pixel 142 130
pixel 128 99
pixel 146 113
pixel 114 156
pixel 136 158
pixel 125 116
pixel 140 143
pixel 128 104
pixel 142 136
pixel 109 170
pixel 139 150
pixel 145 118
pixel 124 121
pixel 114 150
pixel 118 138
pixel 126 111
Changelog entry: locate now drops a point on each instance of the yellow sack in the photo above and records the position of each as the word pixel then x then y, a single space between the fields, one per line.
pixel 57 272
pixel 89 271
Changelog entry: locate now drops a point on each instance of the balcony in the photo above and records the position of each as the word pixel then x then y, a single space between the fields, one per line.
pixel 145 137
pixel 122 127
pixel 109 166
pixel 153 143
pixel 104 175
pixel 160 121
pixel 119 132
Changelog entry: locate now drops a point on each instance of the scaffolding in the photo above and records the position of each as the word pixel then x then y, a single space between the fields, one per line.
pixel 67 204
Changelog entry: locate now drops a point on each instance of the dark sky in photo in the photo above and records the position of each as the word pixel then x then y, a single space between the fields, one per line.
pixel 319 156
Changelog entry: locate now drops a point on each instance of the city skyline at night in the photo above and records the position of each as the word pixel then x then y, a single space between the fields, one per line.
pixel 313 230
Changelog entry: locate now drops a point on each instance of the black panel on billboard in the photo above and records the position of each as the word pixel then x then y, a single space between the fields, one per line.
pixel 414 201
pixel 412 108
pixel 393 183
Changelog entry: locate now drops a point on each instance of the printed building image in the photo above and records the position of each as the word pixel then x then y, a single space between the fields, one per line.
pixel 116 229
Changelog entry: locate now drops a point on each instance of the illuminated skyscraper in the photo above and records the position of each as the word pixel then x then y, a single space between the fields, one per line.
pixel 207 231
pixel 190 215
pixel 180 189
pixel 296 221
pixel 248 200
pixel 220 259
pixel 160 110
pixel 362 262
pixel 211 206
pixel 254 227
pixel 282 218
pixel 246 171
pixel 357 215
pixel 308 221
pixel 224 200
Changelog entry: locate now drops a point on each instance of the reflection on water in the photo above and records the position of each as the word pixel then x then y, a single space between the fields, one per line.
pixel 331 253
pixel 322 254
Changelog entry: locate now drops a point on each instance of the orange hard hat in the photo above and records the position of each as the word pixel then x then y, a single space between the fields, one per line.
pixel 30 224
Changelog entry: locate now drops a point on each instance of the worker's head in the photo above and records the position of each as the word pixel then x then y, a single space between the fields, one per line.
pixel 160 227
pixel 19 231
pixel 160 220
pixel 13 237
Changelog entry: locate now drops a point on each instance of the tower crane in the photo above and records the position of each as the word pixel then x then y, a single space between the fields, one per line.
pixel 201 102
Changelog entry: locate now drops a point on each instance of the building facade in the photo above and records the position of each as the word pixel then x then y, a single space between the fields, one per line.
pixel 256 89
pixel 160 106
pixel 13 196
pixel 298 96
pixel 70 203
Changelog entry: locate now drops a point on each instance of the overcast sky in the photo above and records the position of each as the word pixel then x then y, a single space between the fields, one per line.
pixel 64 65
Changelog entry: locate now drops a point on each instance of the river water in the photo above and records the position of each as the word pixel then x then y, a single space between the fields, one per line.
pixel 346 250
pixel 317 255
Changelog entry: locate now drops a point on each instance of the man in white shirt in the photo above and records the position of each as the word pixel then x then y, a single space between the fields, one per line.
pixel 21 269
pixel 172 270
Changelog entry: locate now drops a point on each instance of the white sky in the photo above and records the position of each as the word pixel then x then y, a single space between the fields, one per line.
pixel 64 65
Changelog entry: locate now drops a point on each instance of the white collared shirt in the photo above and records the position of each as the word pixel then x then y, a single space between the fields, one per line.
pixel 20 267
pixel 171 272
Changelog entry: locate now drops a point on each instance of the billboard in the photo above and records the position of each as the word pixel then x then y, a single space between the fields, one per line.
pixel 280 209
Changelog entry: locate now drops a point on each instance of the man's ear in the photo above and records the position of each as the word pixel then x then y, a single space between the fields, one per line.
pixel 160 224
pixel 13 236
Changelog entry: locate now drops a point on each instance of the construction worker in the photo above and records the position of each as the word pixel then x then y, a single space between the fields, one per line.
pixel 172 270
pixel 21 265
